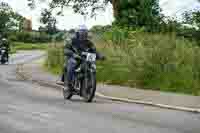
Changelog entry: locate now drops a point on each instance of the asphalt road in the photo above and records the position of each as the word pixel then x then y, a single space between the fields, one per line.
pixel 30 108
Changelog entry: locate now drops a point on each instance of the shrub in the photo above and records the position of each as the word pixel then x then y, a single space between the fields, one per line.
pixel 29 37
pixel 29 46
pixel 55 58
pixel 13 37
pixel 151 61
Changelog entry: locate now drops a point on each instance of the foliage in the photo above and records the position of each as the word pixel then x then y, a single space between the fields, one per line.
pixel 132 13
pixel 100 28
pixel 55 58
pixel 192 20
pixel 138 13
pixel 60 36
pixel 144 48
pixel 192 17
pixel 79 6
pixel 49 21
pixel 29 37
pixel 9 20
pixel 151 61
pixel 138 59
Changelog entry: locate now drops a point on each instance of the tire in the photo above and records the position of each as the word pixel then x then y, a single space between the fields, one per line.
pixel 66 92
pixel 3 62
pixel 89 93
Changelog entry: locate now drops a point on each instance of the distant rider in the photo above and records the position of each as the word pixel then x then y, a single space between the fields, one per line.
pixel 6 46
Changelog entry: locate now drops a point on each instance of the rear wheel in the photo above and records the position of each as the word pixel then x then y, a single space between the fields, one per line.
pixel 67 93
pixel 4 59
pixel 89 87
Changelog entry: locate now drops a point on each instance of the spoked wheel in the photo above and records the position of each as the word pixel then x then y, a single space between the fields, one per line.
pixel 67 93
pixel 89 87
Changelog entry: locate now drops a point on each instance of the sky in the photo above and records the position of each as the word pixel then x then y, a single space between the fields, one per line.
pixel 71 20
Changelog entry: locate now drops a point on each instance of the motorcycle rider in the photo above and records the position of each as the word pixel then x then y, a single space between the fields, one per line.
pixel 68 42
pixel 72 51
pixel 5 45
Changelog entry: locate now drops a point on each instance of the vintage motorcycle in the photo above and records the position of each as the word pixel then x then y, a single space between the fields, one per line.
pixel 84 83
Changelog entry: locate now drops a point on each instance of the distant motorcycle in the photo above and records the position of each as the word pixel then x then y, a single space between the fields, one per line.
pixel 84 83
pixel 3 56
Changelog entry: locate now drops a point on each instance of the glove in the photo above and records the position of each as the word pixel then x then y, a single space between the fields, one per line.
pixel 76 56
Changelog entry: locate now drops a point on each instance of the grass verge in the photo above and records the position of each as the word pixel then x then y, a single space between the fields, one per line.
pixel 148 61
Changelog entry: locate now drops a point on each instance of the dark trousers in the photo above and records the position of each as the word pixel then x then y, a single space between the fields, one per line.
pixel 69 68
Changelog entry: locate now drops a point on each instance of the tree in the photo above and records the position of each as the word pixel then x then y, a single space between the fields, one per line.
pixel 79 6
pixel 127 12
pixel 192 18
pixel 195 18
pixel 5 14
pixel 138 13
pixel 49 21
pixel 9 20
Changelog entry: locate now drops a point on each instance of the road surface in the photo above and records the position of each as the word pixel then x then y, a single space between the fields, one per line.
pixel 30 108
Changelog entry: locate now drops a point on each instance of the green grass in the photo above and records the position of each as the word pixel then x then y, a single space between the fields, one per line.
pixel 146 61
pixel 29 46
pixel 13 50
pixel 55 58
pixel 55 71
pixel 152 61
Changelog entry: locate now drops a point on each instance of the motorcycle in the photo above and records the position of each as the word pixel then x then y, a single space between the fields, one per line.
pixel 84 83
pixel 3 56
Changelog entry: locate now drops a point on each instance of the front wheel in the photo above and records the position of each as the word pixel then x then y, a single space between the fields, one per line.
pixel 89 87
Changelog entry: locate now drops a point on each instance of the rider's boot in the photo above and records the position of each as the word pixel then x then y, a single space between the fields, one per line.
pixel 72 89
pixel 60 83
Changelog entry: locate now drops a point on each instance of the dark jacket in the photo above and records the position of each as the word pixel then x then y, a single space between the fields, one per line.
pixel 78 46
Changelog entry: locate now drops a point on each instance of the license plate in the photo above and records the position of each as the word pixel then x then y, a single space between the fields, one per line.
pixel 91 57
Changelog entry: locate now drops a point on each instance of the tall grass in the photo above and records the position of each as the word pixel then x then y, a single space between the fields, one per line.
pixel 55 58
pixel 142 60
pixel 152 61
